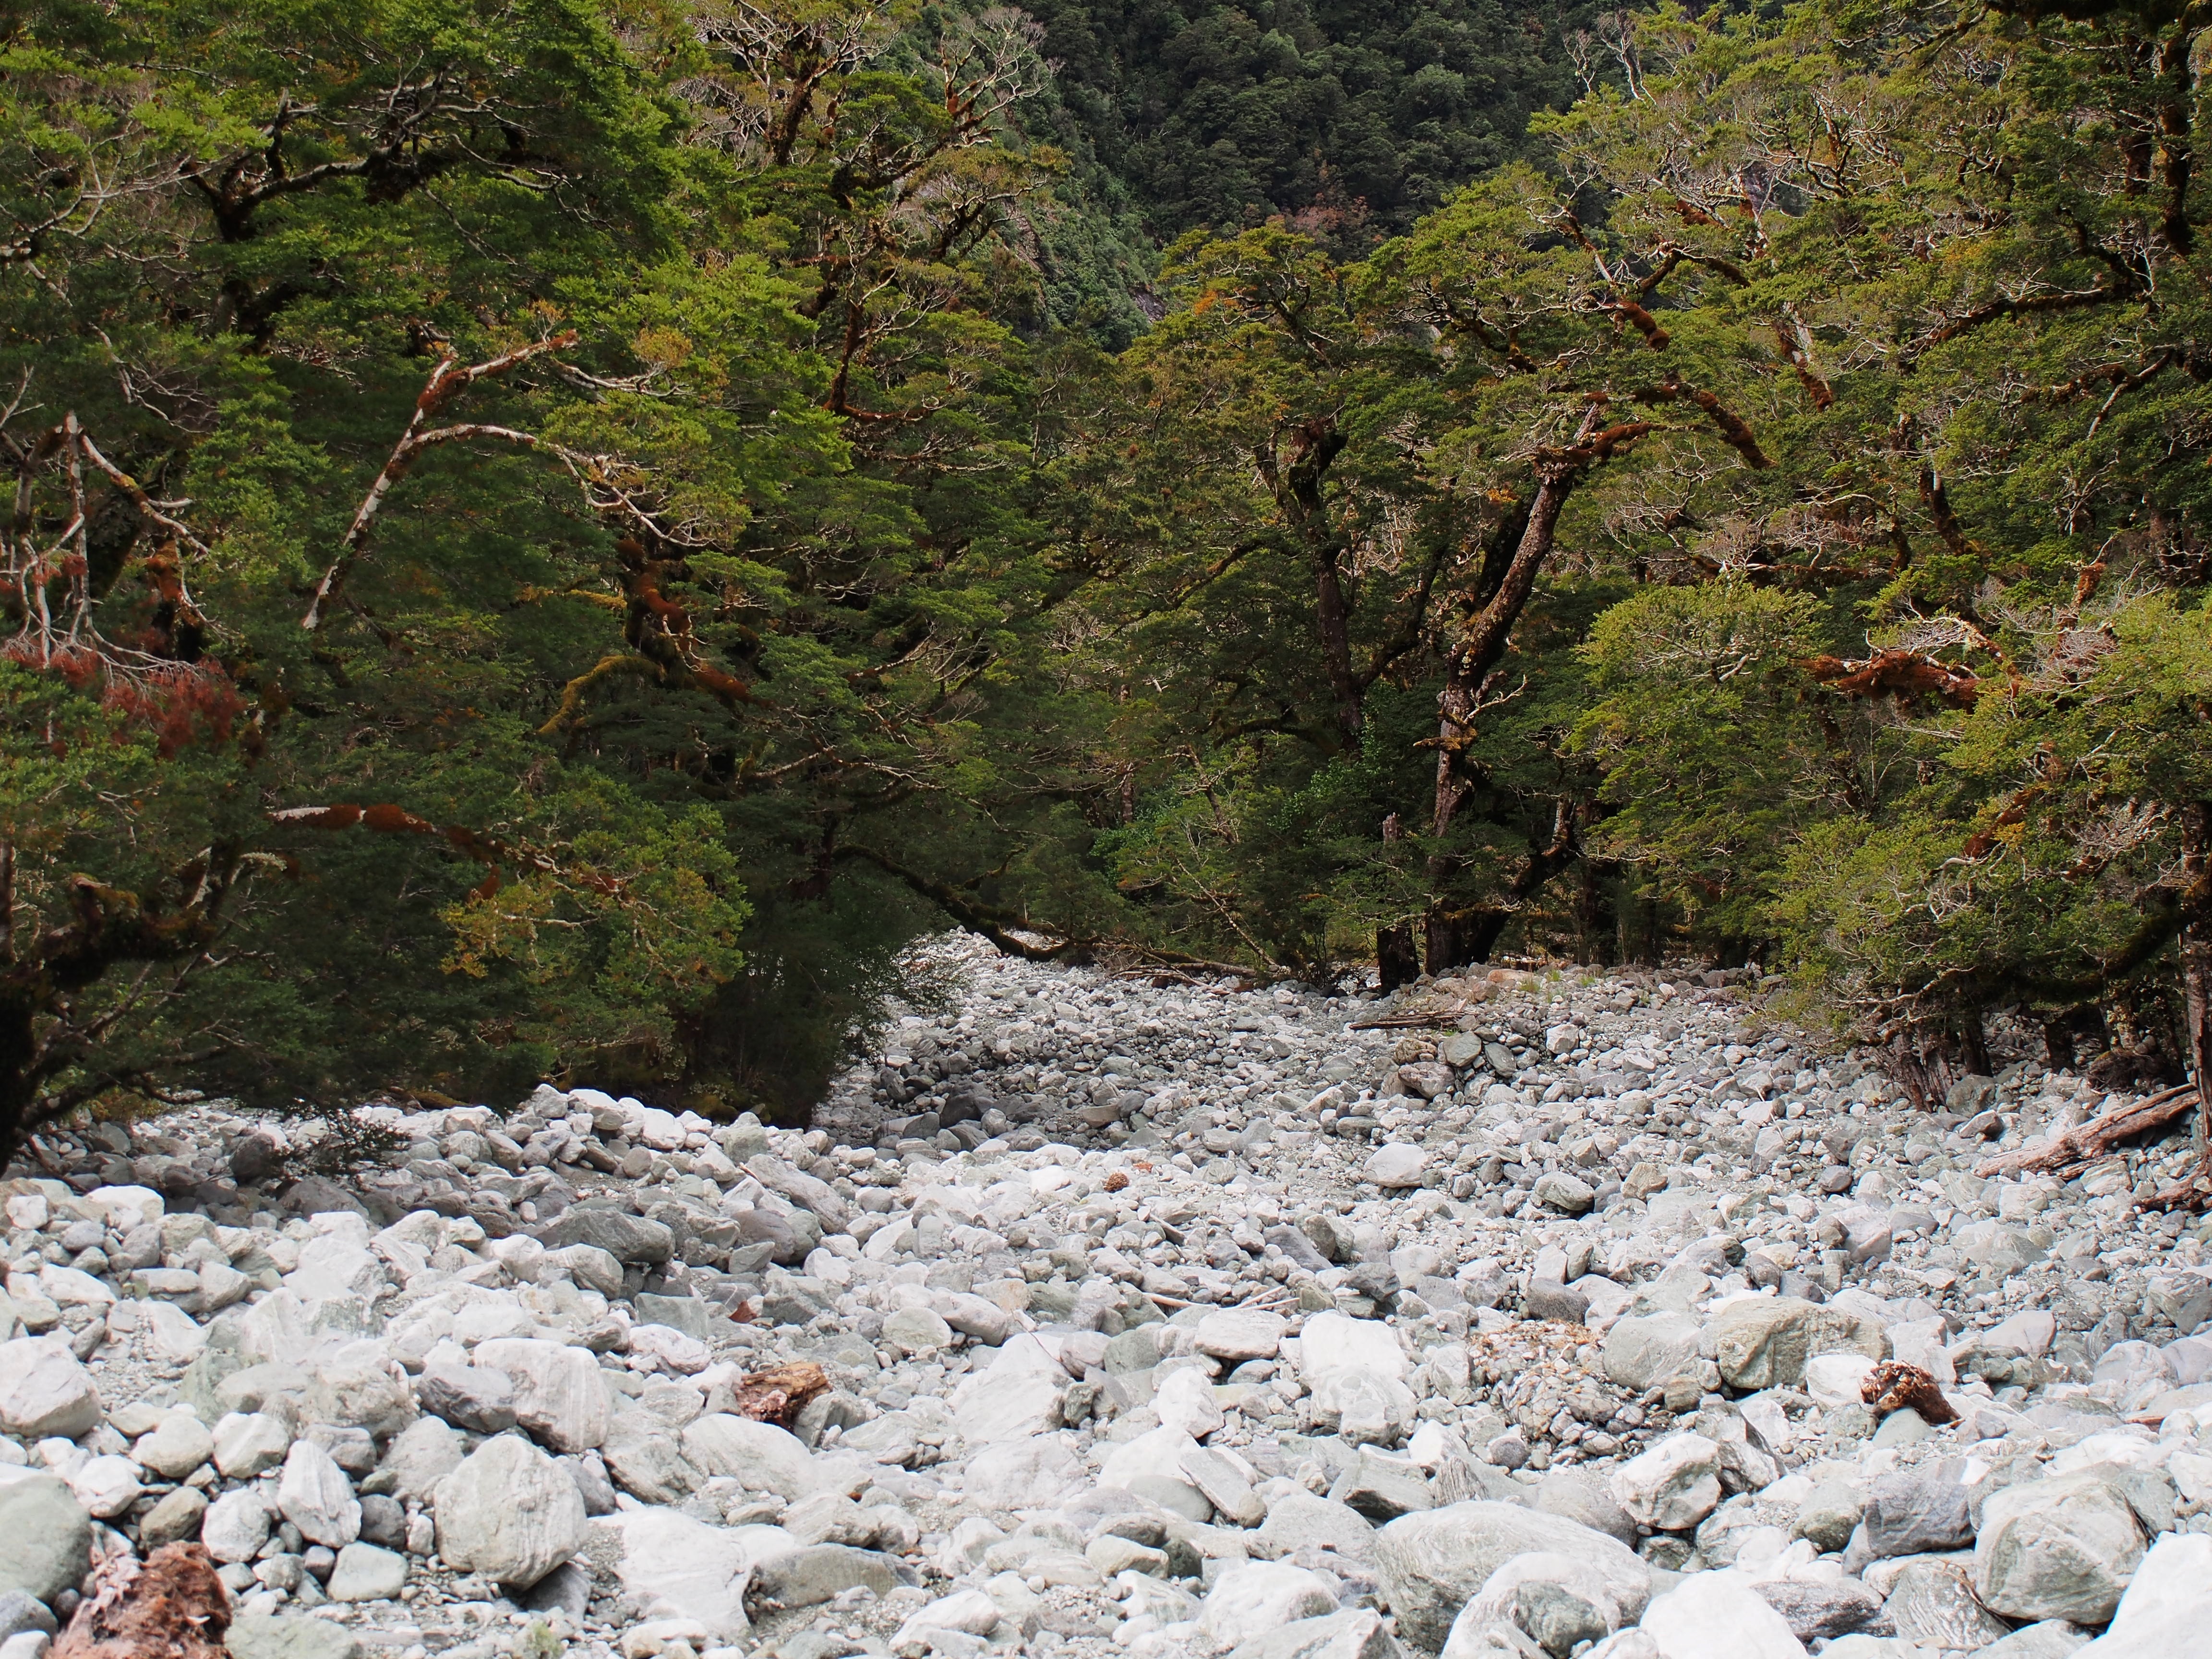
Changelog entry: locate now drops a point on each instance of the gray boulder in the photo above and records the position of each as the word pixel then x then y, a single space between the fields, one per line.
pixel 644 1460
pixel 45 1537
pixel 630 1239
pixel 821 1573
pixel 2167 1610
pixel 472 1397
pixel 1299 1520
pixel 290 1636
pixel 1354 1633
pixel 1432 1563
pixel 1822 1611
pixel 1918 1510
pixel 43 1390
pixel 1932 1601
pixel 1643 1353
pixel 2062 1547
pixel 1763 1342
pixel 509 1512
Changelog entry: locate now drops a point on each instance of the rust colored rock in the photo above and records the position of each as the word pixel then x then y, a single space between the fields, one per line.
pixel 778 1394
pixel 1894 1385
pixel 170 1607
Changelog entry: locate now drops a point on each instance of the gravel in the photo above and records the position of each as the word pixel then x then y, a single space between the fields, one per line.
pixel 1153 1317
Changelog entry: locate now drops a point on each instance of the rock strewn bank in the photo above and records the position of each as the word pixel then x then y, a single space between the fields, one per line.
pixel 1590 1316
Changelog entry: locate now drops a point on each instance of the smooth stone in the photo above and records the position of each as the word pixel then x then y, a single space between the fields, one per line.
pixel 2167 1610
pixel 45 1537
pixel 673 1566
pixel 365 1573
pixel 2065 1546
pixel 760 1456
pixel 1431 1564
pixel 1673 1486
pixel 509 1512
pixel 315 1495
pixel 1249 1600
pixel 236 1525
pixel 1717 1615
pixel 290 1636
pixel 558 1394
pixel 44 1390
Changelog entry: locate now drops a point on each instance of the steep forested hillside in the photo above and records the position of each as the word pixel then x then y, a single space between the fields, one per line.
pixel 1350 117
pixel 554 538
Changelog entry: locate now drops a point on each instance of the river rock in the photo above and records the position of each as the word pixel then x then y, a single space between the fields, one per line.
pixel 1673 1486
pixel 509 1512
pixel 1717 1615
pixel 1432 1563
pixel 1248 1601
pixel 558 1394
pixel 45 1537
pixel 315 1495
pixel 2065 1546
pixel 44 1390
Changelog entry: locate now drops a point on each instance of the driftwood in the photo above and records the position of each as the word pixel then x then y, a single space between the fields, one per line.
pixel 2192 1193
pixel 778 1395
pixel 2088 1142
pixel 171 1607
pixel 1894 1385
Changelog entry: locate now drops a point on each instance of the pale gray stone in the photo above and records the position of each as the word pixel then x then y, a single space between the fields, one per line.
pixel 44 1390
pixel 45 1537
pixel 1299 1520
pixel 290 1636
pixel 1433 1562
pixel 759 1456
pixel 1354 1633
pixel 509 1512
pixel 237 1524
pixel 1673 1486
pixel 1640 1353
pixel 419 1458
pixel 180 1445
pixel 558 1394
pixel 1932 1601
pixel 2065 1546
pixel 365 1573
pixel 315 1495
pixel 1248 1601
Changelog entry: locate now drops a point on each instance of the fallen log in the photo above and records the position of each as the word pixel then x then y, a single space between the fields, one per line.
pixel 170 1607
pixel 2085 1143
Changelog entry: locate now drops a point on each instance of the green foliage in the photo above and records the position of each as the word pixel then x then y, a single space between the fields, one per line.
pixel 554 540
pixel 1349 121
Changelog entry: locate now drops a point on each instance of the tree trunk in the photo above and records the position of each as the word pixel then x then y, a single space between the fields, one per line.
pixel 1974 1042
pixel 1468 933
pixel 1480 646
pixel 1333 619
pixel 1297 477
pixel 1395 957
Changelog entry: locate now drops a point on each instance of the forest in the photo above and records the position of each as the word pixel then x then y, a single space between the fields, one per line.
pixel 553 538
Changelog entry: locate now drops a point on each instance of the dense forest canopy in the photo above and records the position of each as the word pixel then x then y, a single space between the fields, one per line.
pixel 553 538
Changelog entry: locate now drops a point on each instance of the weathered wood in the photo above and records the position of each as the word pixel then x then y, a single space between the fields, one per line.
pixel 778 1395
pixel 2085 1143
pixel 171 1607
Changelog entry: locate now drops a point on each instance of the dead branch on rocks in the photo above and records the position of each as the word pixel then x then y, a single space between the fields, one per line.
pixel 1894 1385
pixel 778 1395
pixel 171 1607
pixel 2088 1142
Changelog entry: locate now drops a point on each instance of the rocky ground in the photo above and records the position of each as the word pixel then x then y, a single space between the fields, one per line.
pixel 1580 1313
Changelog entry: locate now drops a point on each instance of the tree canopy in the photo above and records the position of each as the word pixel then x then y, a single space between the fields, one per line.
pixel 553 540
